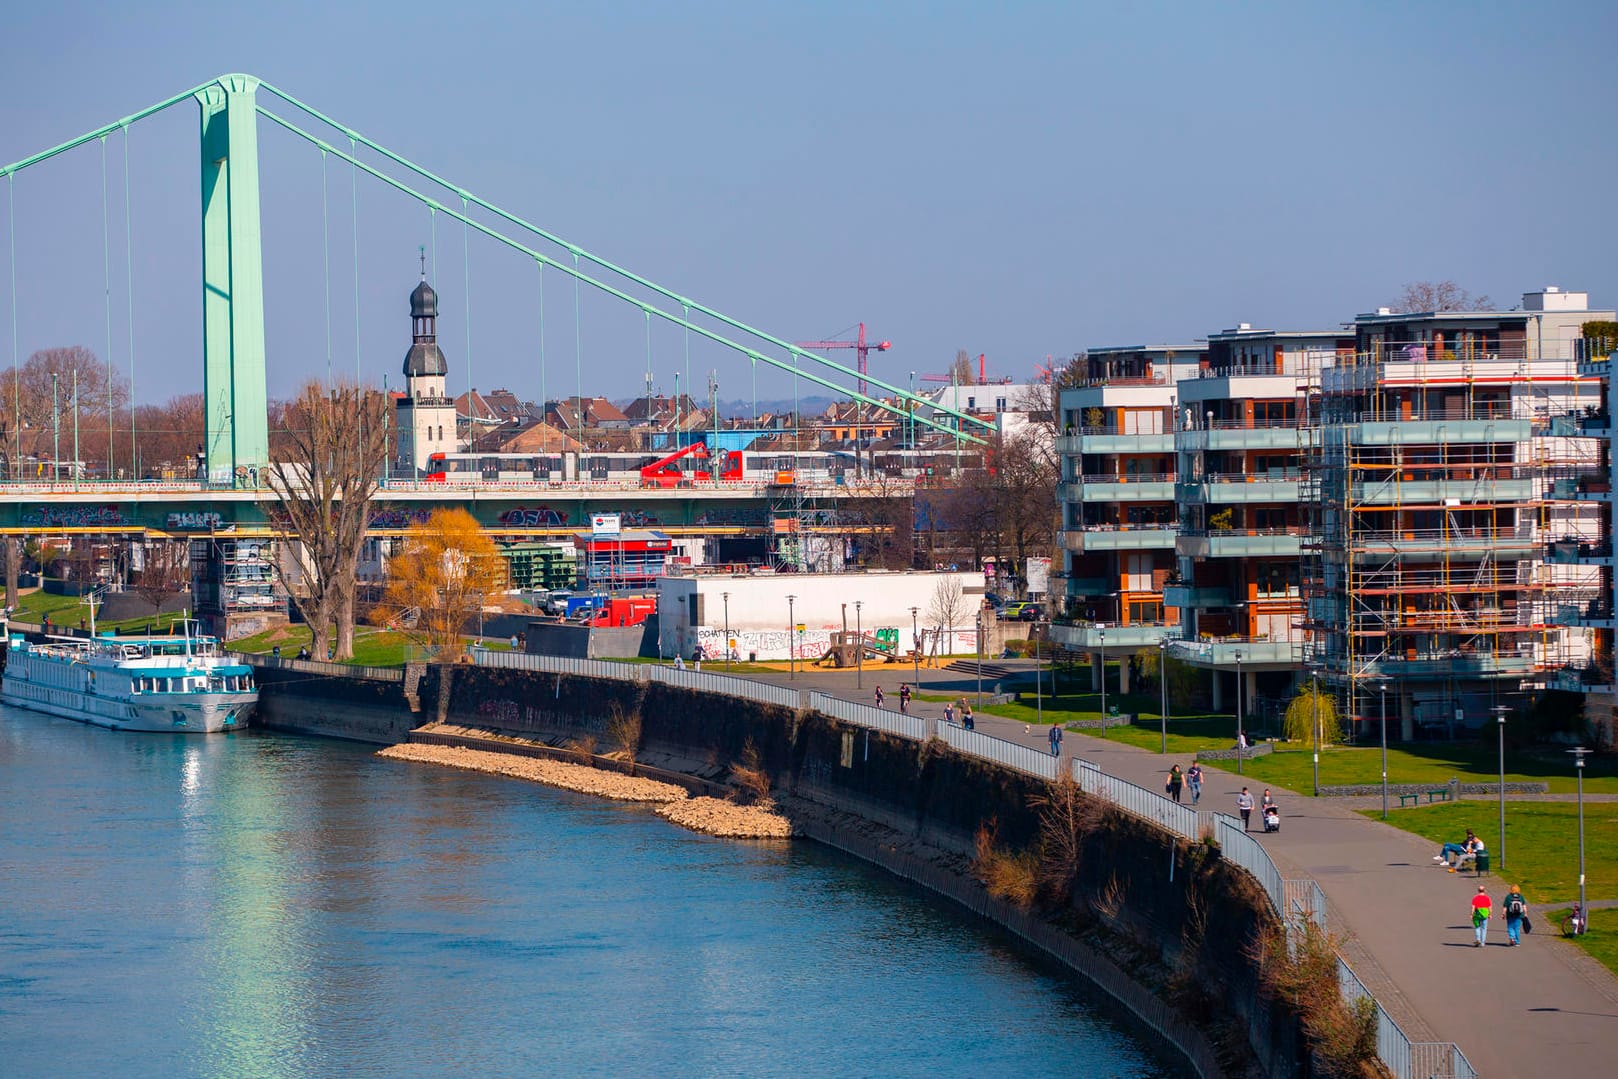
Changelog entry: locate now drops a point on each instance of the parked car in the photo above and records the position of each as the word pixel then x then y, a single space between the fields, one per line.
pixel 1017 612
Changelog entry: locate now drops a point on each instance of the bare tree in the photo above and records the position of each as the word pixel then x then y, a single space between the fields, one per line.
pixel 1422 296
pixel 332 449
pixel 167 434
pixel 947 606
pixel 960 371
pixel 165 573
pixel 54 392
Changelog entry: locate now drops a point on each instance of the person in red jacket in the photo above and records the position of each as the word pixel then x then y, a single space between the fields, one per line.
pixel 1481 909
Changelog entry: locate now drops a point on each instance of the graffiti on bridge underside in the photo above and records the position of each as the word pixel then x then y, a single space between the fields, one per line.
pixel 74 516
pixel 535 517
pixel 399 518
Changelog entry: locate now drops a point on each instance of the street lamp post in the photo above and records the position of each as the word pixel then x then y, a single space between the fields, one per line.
pixel 1163 688
pixel 980 656
pixel 915 647
pixel 859 653
pixel 1500 714
pixel 1382 695
pixel 1314 710
pixel 792 628
pixel 1578 762
pixel 1103 635
pixel 726 597
pixel 1241 740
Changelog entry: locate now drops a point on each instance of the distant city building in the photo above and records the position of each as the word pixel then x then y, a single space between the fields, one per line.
pixel 425 414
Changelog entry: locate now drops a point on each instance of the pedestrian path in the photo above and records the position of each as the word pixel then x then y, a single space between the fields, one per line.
pixel 1539 1009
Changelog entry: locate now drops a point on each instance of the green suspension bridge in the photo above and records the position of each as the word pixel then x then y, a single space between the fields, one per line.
pixel 236 436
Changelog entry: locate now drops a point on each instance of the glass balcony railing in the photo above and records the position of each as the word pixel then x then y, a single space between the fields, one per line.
pixel 1092 637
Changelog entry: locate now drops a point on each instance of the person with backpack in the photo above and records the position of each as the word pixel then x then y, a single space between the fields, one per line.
pixel 1481 909
pixel 1175 783
pixel 1516 908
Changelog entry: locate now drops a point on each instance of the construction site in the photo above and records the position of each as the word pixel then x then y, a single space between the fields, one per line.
pixel 1433 496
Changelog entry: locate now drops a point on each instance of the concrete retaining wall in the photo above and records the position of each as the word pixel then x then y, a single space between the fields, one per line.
pixel 911 808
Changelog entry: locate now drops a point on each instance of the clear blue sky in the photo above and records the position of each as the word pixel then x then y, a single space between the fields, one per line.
pixel 1022 182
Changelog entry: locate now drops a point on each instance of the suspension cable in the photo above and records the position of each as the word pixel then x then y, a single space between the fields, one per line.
pixel 628 275
pixel 129 292
pixel 354 210
pixel 466 305
pixel 542 401
pixel 578 343
pixel 106 303
pixel 579 276
pixel 16 374
pixel 325 243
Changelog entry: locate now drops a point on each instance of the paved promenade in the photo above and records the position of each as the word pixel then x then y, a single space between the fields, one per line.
pixel 1540 1009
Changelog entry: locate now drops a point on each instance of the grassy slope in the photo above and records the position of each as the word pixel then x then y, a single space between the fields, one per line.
pixel 1542 843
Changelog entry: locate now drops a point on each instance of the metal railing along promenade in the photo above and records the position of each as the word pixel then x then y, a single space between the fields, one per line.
pixel 1022 758
pixel 877 719
pixel 1137 801
pixel 725 684
pixel 322 667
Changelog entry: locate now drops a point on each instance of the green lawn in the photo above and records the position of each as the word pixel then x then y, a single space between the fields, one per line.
pixel 1542 844
pixel 373 647
pixel 1600 939
pixel 66 611
pixel 1425 762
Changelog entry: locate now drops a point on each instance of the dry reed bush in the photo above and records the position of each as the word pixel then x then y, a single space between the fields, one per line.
pixel 623 728
pixel 1300 969
pixel 1110 900
pixel 583 748
pixel 1067 816
pixel 1008 876
pixel 750 776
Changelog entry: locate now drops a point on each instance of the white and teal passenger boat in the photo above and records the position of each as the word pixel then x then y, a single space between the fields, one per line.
pixel 177 684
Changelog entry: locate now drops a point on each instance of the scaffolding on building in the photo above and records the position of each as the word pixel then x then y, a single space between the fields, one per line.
pixel 1427 505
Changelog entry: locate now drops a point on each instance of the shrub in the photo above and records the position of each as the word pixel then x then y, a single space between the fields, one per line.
pixel 1008 876
pixel 750 776
pixel 1310 703
pixel 1300 969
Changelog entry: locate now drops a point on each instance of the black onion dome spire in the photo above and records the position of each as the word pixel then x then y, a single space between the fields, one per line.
pixel 424 357
pixel 424 302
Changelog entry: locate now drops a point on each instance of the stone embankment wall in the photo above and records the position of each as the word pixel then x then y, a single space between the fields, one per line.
pixel 1164 927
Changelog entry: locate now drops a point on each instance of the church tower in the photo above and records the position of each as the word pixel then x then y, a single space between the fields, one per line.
pixel 426 415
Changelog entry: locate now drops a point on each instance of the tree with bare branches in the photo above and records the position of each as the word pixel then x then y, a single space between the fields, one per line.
pixel 332 447
pixel 1419 297
pixel 947 607
pixel 167 571
pixel 447 569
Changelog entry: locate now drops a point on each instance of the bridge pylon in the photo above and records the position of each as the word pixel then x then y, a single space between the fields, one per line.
pixel 237 439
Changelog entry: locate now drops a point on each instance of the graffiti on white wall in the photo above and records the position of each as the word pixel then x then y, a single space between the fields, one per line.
pixel 777 644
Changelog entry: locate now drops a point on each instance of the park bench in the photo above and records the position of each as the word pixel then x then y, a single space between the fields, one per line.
pixel 1437 794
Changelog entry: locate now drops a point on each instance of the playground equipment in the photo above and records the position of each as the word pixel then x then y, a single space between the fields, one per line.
pixel 880 647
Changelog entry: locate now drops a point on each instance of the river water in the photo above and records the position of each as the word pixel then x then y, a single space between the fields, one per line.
pixel 263 905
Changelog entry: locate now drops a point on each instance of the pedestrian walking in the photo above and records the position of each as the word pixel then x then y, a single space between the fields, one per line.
pixel 878 696
pixel 1056 739
pixel 904 697
pixel 1175 781
pixel 949 712
pixel 1481 909
pixel 1516 908
pixel 1193 776
pixel 1244 805
pixel 966 717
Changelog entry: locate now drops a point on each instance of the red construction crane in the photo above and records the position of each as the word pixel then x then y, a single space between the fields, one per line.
pixel 860 343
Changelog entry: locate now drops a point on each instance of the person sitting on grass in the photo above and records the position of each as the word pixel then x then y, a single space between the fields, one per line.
pixel 1456 850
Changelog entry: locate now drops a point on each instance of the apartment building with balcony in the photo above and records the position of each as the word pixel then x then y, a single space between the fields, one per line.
pixel 1241 439
pixel 1119 518
pixel 1438 475
pixel 1593 676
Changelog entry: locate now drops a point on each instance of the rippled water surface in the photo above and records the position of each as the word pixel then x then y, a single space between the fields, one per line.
pixel 259 905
